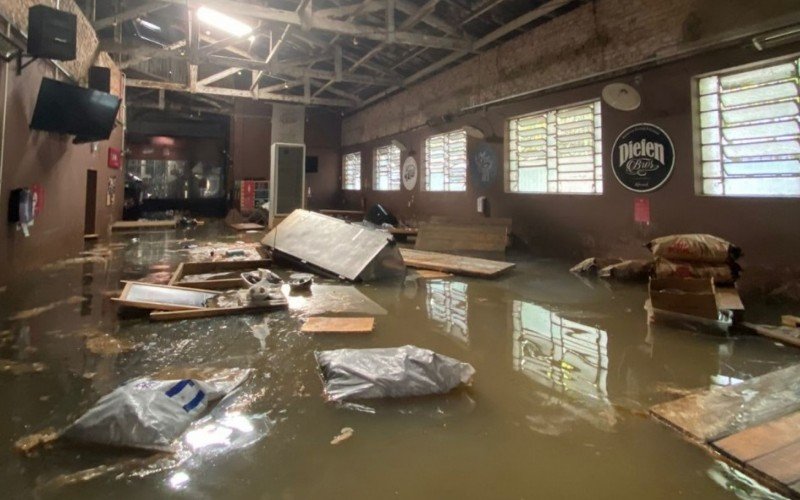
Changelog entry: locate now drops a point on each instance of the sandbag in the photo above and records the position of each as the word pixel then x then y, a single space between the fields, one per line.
pixel 351 374
pixel 151 414
pixel 722 274
pixel 694 248
pixel 594 264
pixel 628 270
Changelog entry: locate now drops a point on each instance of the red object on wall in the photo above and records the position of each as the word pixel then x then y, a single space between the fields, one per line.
pixel 641 210
pixel 247 197
pixel 38 198
pixel 114 158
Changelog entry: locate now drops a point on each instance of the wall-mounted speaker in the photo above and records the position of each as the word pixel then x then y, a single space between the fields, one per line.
pixel 51 33
pixel 100 79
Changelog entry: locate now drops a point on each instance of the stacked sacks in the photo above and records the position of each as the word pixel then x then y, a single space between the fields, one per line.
pixel 696 256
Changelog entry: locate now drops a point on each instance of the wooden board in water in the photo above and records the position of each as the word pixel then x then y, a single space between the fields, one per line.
pixel 207 312
pixel 456 264
pixel 484 239
pixel 321 324
pixel 121 225
pixel 246 226
pixel 722 411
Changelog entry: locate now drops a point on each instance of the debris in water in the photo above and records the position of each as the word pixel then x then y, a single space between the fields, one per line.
pixel 672 390
pixel 344 435
pixel 30 444
pixel 107 345
pixel 61 264
pixel 30 313
pixel 17 368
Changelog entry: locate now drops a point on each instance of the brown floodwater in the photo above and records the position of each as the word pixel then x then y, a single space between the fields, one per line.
pixel 566 369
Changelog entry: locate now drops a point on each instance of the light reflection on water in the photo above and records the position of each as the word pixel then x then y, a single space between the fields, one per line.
pixel 447 305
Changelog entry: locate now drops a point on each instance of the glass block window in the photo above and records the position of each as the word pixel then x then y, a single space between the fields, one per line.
pixel 386 171
pixel 556 151
pixel 351 171
pixel 750 131
pixel 446 162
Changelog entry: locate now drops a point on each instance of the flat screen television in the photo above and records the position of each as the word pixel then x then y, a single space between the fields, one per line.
pixel 68 109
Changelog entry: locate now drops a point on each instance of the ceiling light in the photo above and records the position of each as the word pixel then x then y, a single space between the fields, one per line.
pixel 149 25
pixel 221 21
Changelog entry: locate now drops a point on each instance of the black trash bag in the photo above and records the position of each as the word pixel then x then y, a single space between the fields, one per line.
pixel 351 374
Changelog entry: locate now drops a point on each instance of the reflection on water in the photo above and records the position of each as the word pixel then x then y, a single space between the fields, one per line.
pixel 447 305
pixel 558 353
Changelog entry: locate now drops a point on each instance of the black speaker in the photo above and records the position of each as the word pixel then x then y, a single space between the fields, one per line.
pixel 100 79
pixel 51 33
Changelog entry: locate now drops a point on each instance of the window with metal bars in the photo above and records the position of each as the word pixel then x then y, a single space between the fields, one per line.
pixel 446 162
pixel 556 151
pixel 351 171
pixel 749 136
pixel 386 171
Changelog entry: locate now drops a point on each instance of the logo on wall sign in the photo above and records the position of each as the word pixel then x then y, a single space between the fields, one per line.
pixel 643 157
pixel 484 164
pixel 410 173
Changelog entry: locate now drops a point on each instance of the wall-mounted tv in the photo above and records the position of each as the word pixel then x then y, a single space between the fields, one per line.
pixel 68 109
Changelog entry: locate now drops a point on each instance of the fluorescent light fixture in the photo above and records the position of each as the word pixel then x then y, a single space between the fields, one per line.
pixel 149 25
pixel 221 21
pixel 777 38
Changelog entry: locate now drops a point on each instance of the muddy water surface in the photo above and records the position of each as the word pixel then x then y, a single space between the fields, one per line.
pixel 566 369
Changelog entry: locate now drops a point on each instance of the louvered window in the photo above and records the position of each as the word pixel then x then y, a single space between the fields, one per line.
pixel 446 162
pixel 351 172
pixel 750 132
pixel 556 151
pixel 386 174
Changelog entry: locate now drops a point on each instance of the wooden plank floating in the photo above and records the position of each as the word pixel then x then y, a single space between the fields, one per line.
pixel 786 334
pixel 208 312
pixel 247 226
pixel 762 439
pixel 185 269
pixel 427 274
pixel 162 297
pixel 122 225
pixel 793 321
pixel 321 324
pixel 456 264
pixel 474 239
pixel 722 411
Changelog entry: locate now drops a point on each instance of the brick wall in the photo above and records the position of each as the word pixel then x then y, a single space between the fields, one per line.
pixel 600 36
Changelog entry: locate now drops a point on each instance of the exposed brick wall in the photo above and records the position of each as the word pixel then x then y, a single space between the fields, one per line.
pixel 599 36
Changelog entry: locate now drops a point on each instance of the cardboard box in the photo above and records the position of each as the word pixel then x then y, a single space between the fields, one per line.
pixel 693 297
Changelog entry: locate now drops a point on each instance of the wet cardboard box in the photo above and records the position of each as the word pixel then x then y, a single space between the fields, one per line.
pixel 694 298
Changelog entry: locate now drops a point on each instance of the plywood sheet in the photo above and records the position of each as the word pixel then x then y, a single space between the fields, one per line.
pixel 462 238
pixel 762 439
pixel 322 324
pixel 456 264
pixel 721 411
pixel 783 465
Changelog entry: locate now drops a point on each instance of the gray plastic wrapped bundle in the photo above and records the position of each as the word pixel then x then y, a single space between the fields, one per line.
pixel 151 414
pixel 350 374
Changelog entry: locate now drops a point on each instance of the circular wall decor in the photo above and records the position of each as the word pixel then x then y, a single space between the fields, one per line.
pixel 484 164
pixel 643 157
pixel 410 172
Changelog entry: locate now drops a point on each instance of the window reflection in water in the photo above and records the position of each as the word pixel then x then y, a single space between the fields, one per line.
pixel 558 353
pixel 447 305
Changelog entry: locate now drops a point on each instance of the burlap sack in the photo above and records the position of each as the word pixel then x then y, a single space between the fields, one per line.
pixel 694 248
pixel 723 274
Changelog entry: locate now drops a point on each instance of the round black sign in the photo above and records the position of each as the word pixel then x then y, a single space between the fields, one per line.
pixel 643 157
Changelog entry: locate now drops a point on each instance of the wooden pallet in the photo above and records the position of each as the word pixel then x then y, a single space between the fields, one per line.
pixel 473 239
pixel 239 266
pixel 754 424
pixel 456 264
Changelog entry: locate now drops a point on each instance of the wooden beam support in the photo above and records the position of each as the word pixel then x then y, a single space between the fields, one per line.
pixel 266 96
pixel 128 14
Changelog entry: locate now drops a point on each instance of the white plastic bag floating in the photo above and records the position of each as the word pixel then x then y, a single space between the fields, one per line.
pixel 398 372
pixel 151 414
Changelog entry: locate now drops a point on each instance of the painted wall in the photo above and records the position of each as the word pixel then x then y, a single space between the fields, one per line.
pixel 251 137
pixel 52 161
pixel 583 225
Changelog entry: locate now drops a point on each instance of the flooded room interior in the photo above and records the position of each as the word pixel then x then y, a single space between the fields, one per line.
pixel 467 249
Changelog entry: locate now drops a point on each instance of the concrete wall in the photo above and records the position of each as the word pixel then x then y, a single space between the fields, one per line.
pixel 52 161
pixel 575 226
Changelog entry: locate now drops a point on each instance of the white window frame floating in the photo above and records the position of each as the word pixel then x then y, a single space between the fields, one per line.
pixel 351 171
pixel 556 151
pixel 747 130
pixel 446 162
pixel 386 168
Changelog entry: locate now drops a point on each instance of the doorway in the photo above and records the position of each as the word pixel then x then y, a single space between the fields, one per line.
pixel 91 202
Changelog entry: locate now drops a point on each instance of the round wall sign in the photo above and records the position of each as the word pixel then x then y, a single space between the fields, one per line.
pixel 643 157
pixel 410 171
pixel 484 164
